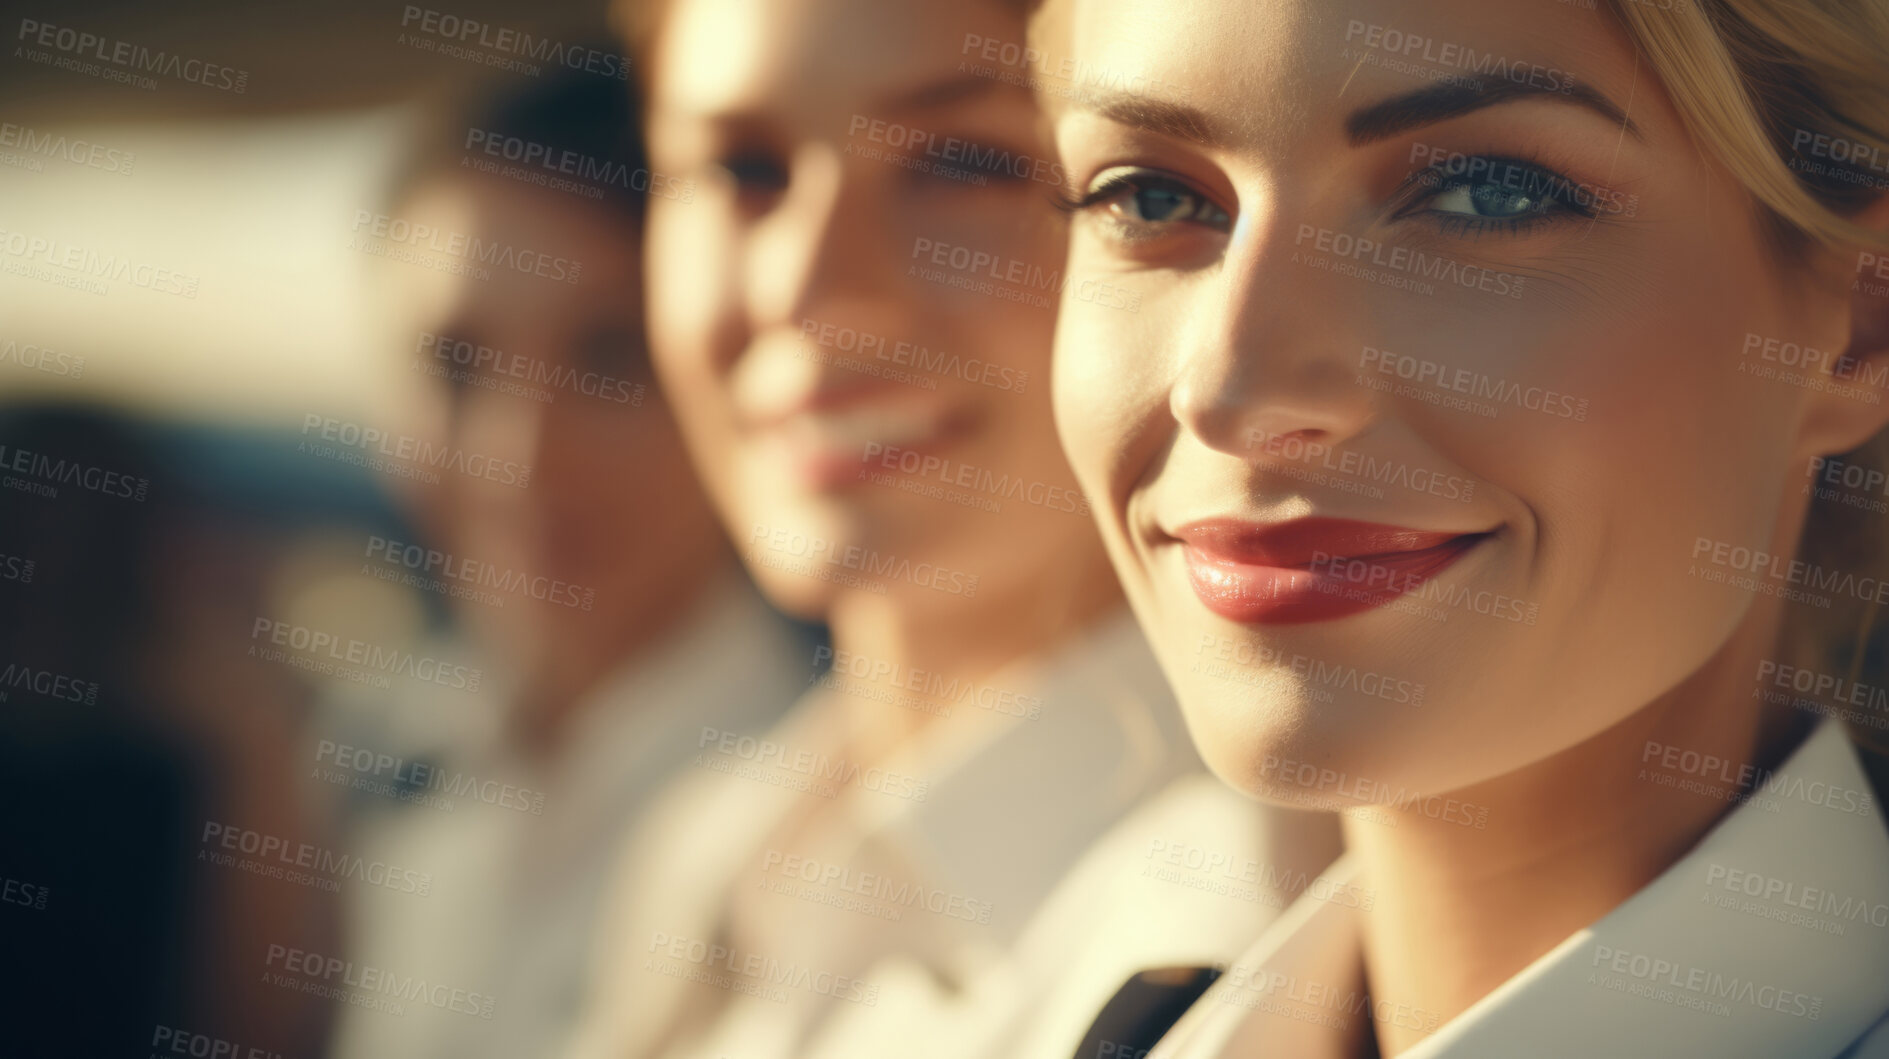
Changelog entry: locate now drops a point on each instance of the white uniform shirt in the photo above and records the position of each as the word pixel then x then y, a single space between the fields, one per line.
pixel 1770 939
pixel 990 915
pixel 515 899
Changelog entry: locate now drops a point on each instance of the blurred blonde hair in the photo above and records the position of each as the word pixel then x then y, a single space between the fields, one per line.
pixel 1756 81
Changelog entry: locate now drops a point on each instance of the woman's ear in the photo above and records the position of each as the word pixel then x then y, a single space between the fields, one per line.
pixel 1851 404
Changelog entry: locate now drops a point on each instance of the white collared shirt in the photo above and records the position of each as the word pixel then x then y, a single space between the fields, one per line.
pixel 1770 939
pixel 513 909
pixel 1031 840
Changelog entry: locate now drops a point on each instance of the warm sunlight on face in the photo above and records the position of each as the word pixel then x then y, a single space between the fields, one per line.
pixel 855 307
pixel 1453 283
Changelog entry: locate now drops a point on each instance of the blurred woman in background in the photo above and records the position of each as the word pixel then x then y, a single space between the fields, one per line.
pixel 950 847
pixel 597 685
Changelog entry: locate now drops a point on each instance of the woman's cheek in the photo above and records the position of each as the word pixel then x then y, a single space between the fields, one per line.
pixel 1095 400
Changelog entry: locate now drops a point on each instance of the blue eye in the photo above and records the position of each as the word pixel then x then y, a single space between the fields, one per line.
pixel 1488 201
pixel 1160 204
pixel 1143 202
pixel 1480 194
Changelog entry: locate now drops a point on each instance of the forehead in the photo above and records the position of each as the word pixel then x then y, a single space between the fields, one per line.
pixel 1272 70
pixel 722 56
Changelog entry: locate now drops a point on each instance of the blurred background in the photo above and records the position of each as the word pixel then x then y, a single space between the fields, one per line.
pixel 253 191
pixel 278 614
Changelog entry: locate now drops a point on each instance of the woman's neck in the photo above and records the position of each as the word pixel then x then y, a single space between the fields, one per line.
pixel 953 638
pixel 1459 910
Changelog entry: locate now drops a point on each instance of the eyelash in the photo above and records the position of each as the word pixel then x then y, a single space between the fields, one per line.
pixel 1423 186
pixel 1132 180
pixel 1536 178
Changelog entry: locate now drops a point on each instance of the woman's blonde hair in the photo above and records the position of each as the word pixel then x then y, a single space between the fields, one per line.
pixel 1793 97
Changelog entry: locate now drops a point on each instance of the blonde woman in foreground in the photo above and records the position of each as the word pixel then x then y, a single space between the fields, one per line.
pixel 1589 304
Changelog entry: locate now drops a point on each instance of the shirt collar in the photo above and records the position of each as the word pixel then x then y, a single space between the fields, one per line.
pixel 1771 937
pixel 1010 809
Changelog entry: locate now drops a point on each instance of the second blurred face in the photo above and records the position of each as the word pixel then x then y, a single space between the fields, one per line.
pixel 610 507
pixel 853 305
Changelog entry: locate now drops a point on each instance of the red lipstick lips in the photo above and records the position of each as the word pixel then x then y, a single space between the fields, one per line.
pixel 1311 569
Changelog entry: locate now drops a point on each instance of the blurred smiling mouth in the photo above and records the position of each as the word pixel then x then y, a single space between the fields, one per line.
pixel 832 448
pixel 1311 569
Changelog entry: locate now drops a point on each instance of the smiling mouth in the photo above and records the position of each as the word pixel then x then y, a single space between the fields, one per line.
pixel 832 449
pixel 1312 569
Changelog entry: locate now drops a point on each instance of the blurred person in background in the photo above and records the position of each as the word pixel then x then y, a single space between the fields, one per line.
pixel 135 733
pixel 648 631
pixel 956 844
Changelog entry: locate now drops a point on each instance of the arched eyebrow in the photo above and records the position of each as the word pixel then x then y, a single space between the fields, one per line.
pixel 1437 103
pixel 1162 117
pixel 1369 124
